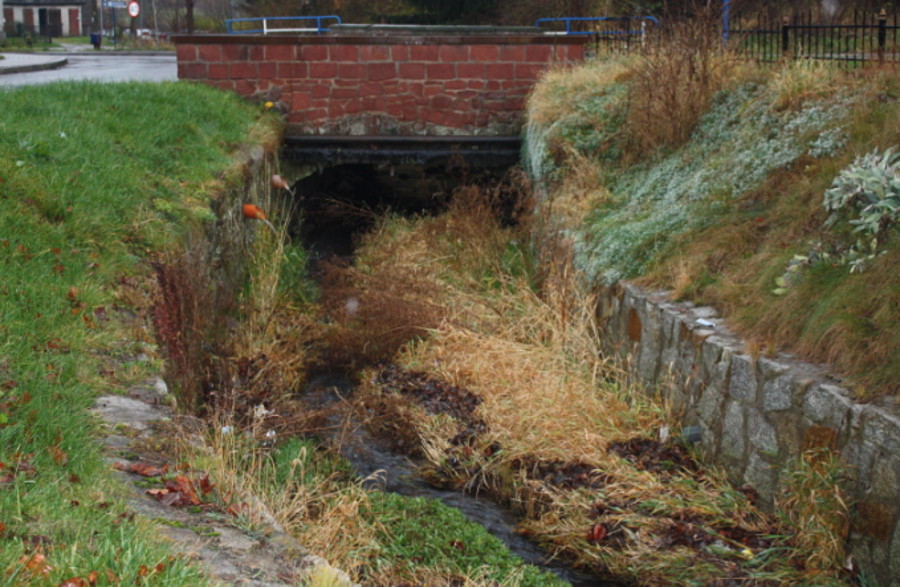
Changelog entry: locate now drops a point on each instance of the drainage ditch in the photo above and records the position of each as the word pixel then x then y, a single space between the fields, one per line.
pixel 337 206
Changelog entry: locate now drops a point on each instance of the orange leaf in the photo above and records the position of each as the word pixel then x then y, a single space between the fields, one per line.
pixel 186 487
pixel 597 533
pixel 60 457
pixel 253 212
pixel 92 577
pixel 74 582
pixel 36 564
pixel 73 294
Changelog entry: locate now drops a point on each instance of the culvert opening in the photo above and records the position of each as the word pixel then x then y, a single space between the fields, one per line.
pixel 340 203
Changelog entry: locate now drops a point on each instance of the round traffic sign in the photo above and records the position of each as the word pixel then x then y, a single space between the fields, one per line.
pixel 134 9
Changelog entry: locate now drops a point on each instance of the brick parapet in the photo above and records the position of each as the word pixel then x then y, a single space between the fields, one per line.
pixel 401 84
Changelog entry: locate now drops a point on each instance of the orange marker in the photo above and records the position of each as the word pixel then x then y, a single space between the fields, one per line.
pixel 253 212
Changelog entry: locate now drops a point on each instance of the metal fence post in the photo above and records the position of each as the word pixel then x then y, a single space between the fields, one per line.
pixel 785 38
pixel 882 34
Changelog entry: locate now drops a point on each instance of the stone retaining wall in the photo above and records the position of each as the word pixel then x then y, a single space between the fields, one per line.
pixel 759 412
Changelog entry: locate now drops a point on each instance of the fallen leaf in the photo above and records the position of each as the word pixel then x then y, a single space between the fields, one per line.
pixel 185 486
pixel 60 457
pixel 74 582
pixel 36 564
pixel 238 509
pixel 142 469
pixel 597 533
pixel 205 486
pixel 278 182
pixel 92 577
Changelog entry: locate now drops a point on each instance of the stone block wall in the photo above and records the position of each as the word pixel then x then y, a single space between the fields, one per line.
pixel 758 412
pixel 399 84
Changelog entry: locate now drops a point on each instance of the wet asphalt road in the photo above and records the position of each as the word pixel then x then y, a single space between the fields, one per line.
pixel 101 68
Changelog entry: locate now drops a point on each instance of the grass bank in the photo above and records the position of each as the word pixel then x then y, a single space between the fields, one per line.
pixel 94 180
pixel 760 208
pixel 107 196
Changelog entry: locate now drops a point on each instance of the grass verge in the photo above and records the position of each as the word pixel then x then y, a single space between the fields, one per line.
pixel 93 179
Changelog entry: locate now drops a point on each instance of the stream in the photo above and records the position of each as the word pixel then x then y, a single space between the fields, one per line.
pixel 339 205
pixel 389 471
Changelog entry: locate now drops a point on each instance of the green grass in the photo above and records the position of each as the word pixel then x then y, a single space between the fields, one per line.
pixel 419 533
pixel 719 218
pixel 92 178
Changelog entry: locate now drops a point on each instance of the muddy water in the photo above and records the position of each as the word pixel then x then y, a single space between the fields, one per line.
pixel 390 471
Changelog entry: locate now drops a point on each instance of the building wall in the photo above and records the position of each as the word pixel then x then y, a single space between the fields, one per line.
pixel 70 17
pixel 382 85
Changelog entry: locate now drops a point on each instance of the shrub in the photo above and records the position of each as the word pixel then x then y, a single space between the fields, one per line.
pixel 672 85
pixel 871 186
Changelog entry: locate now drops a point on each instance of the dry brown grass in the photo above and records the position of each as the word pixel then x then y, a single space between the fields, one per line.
pixel 803 80
pixel 817 509
pixel 186 316
pixel 549 397
pixel 563 90
pixel 322 512
pixel 393 293
pixel 672 83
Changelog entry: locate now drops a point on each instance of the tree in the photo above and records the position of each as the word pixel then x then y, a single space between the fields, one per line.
pixel 456 11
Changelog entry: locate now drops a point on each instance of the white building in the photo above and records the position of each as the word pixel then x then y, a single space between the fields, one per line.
pixel 45 18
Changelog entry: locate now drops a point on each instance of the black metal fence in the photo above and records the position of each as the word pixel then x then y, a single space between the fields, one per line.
pixel 857 39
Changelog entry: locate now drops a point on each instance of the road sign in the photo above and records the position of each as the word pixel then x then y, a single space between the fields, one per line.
pixel 134 9
pixel 115 4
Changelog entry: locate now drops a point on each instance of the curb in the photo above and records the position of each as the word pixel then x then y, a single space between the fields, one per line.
pixel 53 64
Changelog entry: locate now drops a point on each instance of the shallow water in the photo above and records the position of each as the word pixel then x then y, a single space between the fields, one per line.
pixel 389 471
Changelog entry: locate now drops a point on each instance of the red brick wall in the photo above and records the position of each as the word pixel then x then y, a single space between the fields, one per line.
pixel 362 85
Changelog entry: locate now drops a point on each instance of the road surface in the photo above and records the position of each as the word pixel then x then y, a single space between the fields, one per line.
pixel 102 68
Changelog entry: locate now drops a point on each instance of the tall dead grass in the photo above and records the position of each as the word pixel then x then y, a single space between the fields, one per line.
pixel 672 83
pixel 550 402
pixel 394 293
pixel 548 397
pixel 323 512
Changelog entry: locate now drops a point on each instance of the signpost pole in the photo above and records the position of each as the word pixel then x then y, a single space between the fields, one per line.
pixel 134 9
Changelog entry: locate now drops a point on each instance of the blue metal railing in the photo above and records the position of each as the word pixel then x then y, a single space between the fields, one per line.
pixel 569 20
pixel 266 29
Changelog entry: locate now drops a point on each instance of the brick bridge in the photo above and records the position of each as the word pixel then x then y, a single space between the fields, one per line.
pixel 398 86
